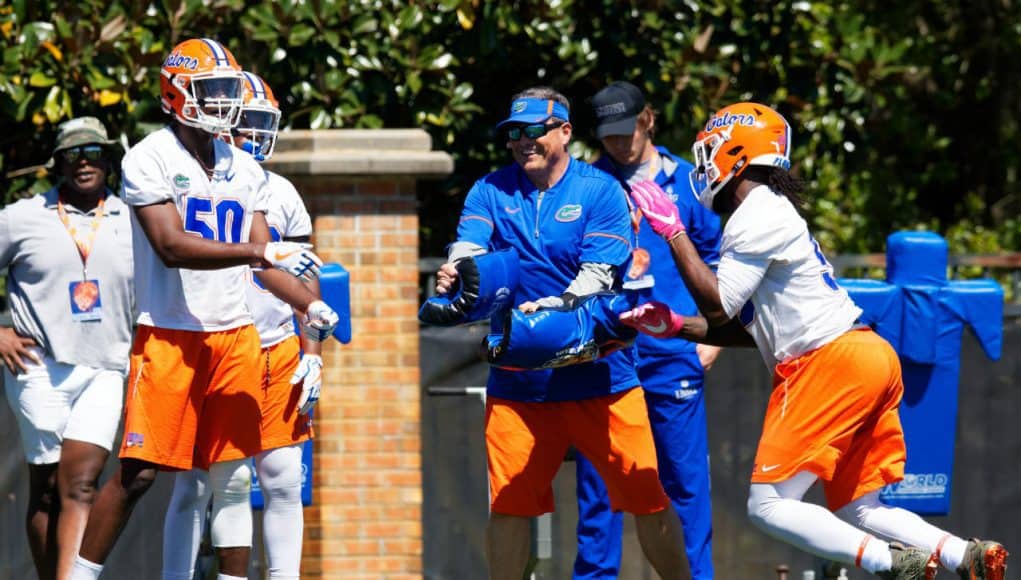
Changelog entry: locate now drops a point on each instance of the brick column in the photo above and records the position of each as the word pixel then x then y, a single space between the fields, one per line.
pixel 366 517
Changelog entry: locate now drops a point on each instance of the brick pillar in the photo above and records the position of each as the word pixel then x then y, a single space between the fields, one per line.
pixel 366 518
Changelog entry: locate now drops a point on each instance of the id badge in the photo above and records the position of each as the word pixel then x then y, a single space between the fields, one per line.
pixel 86 304
pixel 637 276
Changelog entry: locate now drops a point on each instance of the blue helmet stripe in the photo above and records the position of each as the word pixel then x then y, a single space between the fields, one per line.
pixel 218 52
pixel 258 88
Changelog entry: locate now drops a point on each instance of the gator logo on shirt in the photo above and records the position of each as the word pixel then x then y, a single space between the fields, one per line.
pixel 181 182
pixel 568 213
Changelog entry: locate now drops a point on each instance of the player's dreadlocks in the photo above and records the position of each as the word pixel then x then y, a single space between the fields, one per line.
pixel 779 180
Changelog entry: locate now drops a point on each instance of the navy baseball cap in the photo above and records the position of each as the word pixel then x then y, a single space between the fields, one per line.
pixel 616 108
pixel 530 111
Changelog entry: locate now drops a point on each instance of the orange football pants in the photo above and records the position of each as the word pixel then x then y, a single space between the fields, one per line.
pixel 282 425
pixel 833 412
pixel 193 397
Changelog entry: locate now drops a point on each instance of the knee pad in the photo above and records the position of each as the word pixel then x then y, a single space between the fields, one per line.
pixel 485 286
pixel 280 472
pixel 557 337
pixel 231 483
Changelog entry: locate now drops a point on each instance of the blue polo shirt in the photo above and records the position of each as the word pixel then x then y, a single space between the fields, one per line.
pixel 583 218
pixel 667 365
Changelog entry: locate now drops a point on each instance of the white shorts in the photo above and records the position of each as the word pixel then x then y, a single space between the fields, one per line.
pixel 55 401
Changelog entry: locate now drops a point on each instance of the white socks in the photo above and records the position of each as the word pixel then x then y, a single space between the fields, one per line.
pixel 875 555
pixel 85 570
pixel 279 473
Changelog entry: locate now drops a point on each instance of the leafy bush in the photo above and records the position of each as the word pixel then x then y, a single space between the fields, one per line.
pixel 903 115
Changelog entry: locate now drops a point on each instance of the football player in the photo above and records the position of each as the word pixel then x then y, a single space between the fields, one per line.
pixel 833 414
pixel 286 422
pixel 199 222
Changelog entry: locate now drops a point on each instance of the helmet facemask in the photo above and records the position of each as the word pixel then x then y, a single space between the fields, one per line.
pixel 259 125
pixel 212 100
pixel 706 178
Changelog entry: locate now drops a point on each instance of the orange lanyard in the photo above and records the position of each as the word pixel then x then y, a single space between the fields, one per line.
pixel 84 245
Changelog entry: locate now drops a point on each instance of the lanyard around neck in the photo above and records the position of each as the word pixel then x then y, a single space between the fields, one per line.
pixel 84 245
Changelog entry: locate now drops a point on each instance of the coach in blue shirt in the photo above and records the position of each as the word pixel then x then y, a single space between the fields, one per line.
pixel 569 224
pixel 671 370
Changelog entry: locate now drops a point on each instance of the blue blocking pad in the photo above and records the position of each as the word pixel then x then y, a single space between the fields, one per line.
pixel 335 286
pixel 923 315
pixel 882 306
pixel 485 287
pixel 557 337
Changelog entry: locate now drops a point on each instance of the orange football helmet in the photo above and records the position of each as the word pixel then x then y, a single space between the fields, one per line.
pixel 735 137
pixel 256 132
pixel 201 85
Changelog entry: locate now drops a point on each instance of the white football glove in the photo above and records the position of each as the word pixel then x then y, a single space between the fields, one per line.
pixel 319 322
pixel 310 374
pixel 295 258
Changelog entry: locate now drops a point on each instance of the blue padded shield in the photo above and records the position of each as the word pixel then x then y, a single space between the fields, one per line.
pixel 559 337
pixel 335 288
pixel 923 315
pixel 485 286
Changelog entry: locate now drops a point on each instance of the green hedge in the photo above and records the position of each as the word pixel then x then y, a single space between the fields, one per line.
pixel 904 115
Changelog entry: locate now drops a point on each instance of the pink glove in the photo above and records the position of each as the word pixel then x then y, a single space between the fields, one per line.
pixel 658 209
pixel 653 318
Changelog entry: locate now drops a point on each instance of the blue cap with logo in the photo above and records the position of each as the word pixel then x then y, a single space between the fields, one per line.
pixel 530 111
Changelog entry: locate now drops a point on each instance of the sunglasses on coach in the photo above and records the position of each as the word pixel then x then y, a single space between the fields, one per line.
pixel 91 153
pixel 531 131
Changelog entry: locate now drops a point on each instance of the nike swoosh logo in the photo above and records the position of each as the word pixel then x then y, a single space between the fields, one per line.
pixel 281 256
pixel 655 328
pixel 511 210
pixel 663 218
pixel 766 468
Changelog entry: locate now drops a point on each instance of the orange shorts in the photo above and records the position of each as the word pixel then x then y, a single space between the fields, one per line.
pixel 833 412
pixel 192 399
pixel 526 443
pixel 282 425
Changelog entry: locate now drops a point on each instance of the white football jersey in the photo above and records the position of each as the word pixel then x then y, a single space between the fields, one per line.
pixel 287 218
pixel 774 277
pixel 158 169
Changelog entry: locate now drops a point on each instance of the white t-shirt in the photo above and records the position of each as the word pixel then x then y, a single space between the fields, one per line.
pixel 773 274
pixel 158 169
pixel 287 218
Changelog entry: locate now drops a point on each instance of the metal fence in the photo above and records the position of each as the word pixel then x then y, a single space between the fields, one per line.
pixel 1005 268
